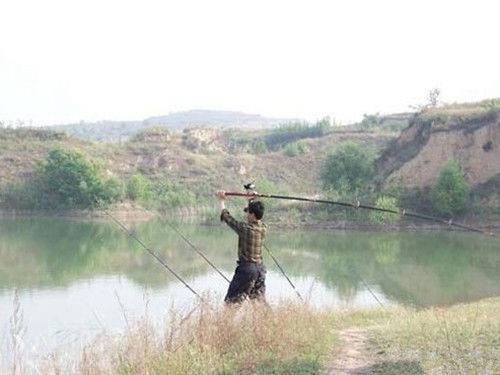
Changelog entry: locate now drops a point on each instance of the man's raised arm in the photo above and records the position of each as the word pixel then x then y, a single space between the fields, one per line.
pixel 225 215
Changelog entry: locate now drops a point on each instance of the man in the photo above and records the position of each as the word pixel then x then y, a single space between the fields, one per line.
pixel 249 277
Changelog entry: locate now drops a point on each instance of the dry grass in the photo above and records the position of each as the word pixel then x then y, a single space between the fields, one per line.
pixel 249 339
pixel 286 339
pixel 463 339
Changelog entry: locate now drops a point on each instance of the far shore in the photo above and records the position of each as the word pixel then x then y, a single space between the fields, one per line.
pixel 129 213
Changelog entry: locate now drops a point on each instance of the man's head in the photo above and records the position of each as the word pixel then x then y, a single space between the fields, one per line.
pixel 255 210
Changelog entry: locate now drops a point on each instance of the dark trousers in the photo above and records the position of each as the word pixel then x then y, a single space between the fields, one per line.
pixel 248 282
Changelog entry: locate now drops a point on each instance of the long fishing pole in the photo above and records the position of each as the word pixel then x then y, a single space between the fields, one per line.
pixel 283 272
pixel 198 251
pixel 357 205
pixel 152 253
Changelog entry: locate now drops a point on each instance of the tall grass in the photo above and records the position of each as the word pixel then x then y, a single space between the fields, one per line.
pixel 252 338
pixel 286 339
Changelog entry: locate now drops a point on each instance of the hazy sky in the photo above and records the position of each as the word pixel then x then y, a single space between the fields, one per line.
pixel 66 60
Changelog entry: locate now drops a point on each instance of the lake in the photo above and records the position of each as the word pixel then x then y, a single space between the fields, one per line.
pixel 75 279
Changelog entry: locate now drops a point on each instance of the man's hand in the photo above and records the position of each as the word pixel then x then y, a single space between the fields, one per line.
pixel 221 194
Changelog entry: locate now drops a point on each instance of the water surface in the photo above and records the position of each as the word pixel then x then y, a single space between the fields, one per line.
pixel 75 279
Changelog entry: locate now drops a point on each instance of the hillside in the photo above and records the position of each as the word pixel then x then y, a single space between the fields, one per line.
pixel 201 158
pixel 466 133
pixel 185 168
pixel 123 130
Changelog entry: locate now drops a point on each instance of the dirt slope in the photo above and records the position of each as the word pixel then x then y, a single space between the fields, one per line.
pixel 469 134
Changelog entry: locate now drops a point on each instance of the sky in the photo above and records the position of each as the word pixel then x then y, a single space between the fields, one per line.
pixel 69 60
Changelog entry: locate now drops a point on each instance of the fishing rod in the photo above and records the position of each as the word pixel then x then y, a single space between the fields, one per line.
pixel 283 272
pixel 198 251
pixel 152 253
pixel 357 205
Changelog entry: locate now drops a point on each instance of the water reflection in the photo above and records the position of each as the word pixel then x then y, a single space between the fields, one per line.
pixel 418 268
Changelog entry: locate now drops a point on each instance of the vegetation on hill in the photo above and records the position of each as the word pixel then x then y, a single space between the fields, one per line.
pixel 349 169
pixel 161 169
pixel 451 193
pixel 65 180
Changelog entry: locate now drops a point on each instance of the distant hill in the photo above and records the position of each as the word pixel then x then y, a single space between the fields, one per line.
pixel 122 130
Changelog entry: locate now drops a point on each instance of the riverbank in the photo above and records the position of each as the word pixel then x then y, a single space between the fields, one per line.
pixel 297 339
pixel 134 213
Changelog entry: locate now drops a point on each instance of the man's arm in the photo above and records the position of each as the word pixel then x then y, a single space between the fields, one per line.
pixel 226 216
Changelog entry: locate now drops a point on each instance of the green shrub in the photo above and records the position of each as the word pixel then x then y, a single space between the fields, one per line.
pixel 295 149
pixel 349 169
pixel 19 196
pixel 170 195
pixel 370 121
pixel 451 193
pixel 68 180
pixel 139 188
pixel 292 132
pixel 259 147
pixel 388 203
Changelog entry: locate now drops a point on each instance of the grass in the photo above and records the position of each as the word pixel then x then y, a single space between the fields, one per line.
pixel 463 339
pixel 295 339
pixel 252 339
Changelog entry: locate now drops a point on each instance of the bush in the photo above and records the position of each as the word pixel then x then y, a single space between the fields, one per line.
pixel 295 149
pixel 292 132
pixel 19 196
pixel 259 147
pixel 349 169
pixel 388 203
pixel 171 195
pixel 68 180
pixel 451 193
pixel 370 121
pixel 139 188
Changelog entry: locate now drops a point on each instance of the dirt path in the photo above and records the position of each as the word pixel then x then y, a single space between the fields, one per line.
pixel 354 358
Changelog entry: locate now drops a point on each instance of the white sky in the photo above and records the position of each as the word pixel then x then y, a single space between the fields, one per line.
pixel 64 60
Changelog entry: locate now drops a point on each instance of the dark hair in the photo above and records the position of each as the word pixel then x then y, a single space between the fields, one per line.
pixel 256 208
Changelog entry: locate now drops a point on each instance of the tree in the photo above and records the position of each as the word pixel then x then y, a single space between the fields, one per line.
pixel 451 193
pixel 370 121
pixel 68 180
pixel 349 169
